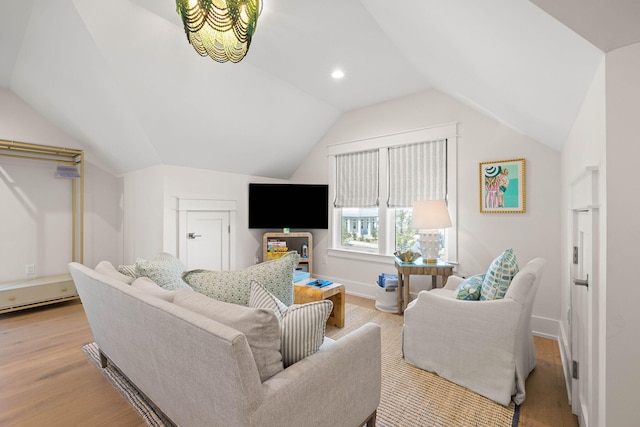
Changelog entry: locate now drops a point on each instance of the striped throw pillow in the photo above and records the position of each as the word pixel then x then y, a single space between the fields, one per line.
pixel 260 297
pixel 302 326
pixel 302 330
pixel 128 270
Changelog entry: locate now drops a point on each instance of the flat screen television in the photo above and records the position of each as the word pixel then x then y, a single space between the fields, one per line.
pixel 301 206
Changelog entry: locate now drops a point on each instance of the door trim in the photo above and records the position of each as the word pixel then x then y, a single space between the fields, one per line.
pixel 186 205
pixel 585 196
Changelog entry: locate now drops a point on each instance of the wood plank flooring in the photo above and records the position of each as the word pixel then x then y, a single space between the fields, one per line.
pixel 46 379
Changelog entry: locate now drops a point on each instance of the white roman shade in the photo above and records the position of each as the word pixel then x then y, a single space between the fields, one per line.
pixel 417 172
pixel 357 180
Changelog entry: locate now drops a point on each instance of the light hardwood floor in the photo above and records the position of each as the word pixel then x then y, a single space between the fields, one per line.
pixel 46 379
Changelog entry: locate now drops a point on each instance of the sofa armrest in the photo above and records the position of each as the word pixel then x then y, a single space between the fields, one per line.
pixel 338 385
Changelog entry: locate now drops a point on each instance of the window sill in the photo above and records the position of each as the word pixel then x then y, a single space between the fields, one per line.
pixel 368 257
pixel 361 256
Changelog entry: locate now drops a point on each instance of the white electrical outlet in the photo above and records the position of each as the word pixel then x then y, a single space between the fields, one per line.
pixel 30 269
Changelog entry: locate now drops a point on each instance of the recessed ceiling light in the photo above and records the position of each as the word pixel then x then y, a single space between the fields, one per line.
pixel 337 74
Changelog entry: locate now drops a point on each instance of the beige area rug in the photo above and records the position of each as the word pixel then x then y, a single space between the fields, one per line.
pixel 410 396
pixel 413 397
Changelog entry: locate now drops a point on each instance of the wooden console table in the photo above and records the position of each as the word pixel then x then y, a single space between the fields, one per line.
pixel 304 293
pixel 405 269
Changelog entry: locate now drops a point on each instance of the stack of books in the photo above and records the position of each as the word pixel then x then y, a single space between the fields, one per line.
pixel 276 248
pixel 299 275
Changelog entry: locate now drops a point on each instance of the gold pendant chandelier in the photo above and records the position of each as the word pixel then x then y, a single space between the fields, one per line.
pixel 221 29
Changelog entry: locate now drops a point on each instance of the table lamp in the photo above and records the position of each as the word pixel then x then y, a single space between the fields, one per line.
pixel 429 217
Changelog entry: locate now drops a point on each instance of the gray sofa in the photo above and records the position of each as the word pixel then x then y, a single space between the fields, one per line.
pixel 201 372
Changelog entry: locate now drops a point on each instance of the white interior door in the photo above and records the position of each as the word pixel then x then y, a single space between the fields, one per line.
pixel 207 240
pixel 581 334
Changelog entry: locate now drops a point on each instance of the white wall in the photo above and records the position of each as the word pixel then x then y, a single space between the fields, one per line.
pixel 481 237
pixel 151 217
pixel 622 236
pixel 35 219
pixel 35 214
pixel 206 184
pixel 143 213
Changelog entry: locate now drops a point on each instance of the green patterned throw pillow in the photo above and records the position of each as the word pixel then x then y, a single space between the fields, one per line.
pixel 234 286
pixel 469 289
pixel 499 276
pixel 165 270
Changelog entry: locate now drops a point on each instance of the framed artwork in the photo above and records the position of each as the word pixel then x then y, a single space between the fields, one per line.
pixel 502 186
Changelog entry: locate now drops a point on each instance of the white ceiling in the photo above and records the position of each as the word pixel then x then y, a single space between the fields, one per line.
pixel 121 78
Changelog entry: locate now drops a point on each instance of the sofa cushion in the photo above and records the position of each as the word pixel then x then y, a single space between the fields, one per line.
pixel 150 287
pixel 499 275
pixel 165 270
pixel 302 326
pixel 235 286
pixel 106 268
pixel 259 325
pixel 469 289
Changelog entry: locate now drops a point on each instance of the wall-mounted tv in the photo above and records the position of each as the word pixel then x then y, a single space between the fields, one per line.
pixel 302 206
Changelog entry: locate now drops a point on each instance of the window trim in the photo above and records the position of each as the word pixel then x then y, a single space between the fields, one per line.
pixel 385 238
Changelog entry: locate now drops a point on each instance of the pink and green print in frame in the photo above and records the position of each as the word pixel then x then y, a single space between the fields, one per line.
pixel 502 186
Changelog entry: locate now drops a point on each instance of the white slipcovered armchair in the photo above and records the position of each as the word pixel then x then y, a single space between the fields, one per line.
pixel 485 346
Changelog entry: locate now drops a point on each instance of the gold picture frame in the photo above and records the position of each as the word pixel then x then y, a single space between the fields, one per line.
pixel 503 186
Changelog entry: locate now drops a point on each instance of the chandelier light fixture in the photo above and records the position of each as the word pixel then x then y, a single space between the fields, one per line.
pixel 221 29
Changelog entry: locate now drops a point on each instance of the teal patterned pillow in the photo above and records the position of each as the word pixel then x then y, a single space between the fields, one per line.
pixel 499 276
pixel 470 288
pixel 234 286
pixel 165 270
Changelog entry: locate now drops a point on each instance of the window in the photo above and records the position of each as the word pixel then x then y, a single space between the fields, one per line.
pixel 357 199
pixel 376 182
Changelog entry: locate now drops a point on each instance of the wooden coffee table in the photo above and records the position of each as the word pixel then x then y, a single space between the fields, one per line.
pixel 304 293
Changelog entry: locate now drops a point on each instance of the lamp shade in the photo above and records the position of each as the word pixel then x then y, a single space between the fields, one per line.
pixel 430 215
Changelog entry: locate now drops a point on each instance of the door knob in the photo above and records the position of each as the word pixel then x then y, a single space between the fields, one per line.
pixel 582 282
pixel 193 236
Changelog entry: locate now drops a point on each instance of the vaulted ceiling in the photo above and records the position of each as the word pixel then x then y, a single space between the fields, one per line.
pixel 120 77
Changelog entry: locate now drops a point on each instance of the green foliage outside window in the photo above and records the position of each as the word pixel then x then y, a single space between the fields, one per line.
pixel 405 233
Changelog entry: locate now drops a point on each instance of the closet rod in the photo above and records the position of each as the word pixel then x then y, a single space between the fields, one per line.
pixel 17 156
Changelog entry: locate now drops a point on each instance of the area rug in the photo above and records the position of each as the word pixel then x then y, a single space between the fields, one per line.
pixel 410 396
pixel 145 409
